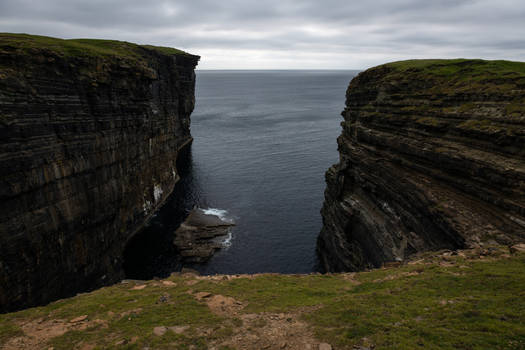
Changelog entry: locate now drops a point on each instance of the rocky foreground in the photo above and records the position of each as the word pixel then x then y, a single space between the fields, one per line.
pixel 432 156
pixel 466 299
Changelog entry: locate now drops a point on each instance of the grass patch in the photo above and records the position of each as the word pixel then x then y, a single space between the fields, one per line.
pixel 8 331
pixel 439 308
pixel 465 304
pixel 278 293
pixel 463 68
pixel 81 47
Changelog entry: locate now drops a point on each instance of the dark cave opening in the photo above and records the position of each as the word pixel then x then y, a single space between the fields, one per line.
pixel 151 252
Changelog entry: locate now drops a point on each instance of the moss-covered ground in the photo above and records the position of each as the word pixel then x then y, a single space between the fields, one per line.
pixel 26 43
pixel 462 68
pixel 471 300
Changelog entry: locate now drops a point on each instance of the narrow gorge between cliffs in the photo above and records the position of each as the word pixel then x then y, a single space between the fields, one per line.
pixel 262 143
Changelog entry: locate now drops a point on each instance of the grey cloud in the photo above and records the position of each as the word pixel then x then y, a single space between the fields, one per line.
pixel 273 33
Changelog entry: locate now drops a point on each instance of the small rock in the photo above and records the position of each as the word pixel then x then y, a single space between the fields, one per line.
pixel 160 330
pixel 178 329
pixel 140 287
pixel 78 319
pixel 169 283
pixel 121 342
pixel 517 248
pixel 190 271
pixel 325 346
pixel 283 345
pixel 164 298
pixel 202 295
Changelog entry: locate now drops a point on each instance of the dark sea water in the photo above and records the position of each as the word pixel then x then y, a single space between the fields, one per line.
pixel 262 142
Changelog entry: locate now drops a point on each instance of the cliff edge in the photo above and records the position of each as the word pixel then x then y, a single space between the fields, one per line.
pixel 432 156
pixel 90 132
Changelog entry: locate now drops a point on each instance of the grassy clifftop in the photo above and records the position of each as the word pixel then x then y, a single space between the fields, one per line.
pixel 473 299
pixel 462 68
pixel 26 43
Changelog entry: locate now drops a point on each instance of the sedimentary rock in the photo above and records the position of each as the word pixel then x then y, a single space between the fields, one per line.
pixel 197 238
pixel 90 132
pixel 432 155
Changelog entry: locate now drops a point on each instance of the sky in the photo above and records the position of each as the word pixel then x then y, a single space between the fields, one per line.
pixel 287 34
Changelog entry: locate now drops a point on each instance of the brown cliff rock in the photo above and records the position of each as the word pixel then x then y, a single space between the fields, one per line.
pixel 432 155
pixel 90 131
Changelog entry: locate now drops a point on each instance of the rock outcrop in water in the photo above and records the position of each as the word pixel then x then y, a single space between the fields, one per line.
pixel 200 235
pixel 90 132
pixel 432 155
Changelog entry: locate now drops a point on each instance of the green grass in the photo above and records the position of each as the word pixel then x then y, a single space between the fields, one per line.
pixel 465 68
pixel 465 304
pixel 80 47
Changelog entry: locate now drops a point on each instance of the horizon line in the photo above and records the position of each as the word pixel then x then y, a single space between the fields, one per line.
pixel 279 69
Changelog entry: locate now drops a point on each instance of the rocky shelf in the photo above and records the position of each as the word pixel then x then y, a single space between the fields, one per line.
pixel 200 235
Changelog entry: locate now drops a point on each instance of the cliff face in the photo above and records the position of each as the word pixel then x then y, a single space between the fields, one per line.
pixel 90 132
pixel 432 155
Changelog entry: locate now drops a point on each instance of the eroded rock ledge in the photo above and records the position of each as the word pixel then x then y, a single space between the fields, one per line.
pixel 200 235
pixel 90 132
pixel 432 155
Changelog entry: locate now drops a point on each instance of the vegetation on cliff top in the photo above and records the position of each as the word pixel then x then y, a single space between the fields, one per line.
pixel 466 95
pixel 463 68
pixel 80 47
pixel 473 299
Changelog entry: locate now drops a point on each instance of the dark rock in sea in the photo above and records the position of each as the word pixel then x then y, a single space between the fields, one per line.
pixel 197 237
pixel 90 132
pixel 432 156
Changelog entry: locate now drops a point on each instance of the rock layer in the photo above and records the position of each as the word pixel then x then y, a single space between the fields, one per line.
pixel 90 132
pixel 198 237
pixel 432 155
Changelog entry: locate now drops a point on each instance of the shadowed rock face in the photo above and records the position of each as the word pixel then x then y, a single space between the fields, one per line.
pixel 432 155
pixel 89 141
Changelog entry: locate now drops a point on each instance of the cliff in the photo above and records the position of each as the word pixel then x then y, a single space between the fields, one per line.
pixel 90 131
pixel 432 155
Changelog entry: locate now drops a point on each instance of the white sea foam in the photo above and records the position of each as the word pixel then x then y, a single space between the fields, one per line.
pixel 228 240
pixel 220 213
pixel 223 215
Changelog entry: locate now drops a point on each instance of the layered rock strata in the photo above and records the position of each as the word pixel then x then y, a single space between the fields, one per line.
pixel 432 155
pixel 90 132
pixel 200 235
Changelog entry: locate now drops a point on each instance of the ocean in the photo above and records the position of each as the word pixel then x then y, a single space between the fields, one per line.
pixel 262 143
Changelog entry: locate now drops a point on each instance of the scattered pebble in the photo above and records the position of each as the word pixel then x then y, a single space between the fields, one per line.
pixel 202 295
pixel 160 330
pixel 79 319
pixel 169 283
pixel 139 287
pixel 325 346
pixel 178 329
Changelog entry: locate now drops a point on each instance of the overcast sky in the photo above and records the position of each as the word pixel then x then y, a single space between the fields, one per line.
pixel 287 34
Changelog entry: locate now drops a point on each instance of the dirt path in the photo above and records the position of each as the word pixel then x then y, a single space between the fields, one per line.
pixel 260 330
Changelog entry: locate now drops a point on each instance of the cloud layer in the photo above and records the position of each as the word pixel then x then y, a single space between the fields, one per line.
pixel 284 34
